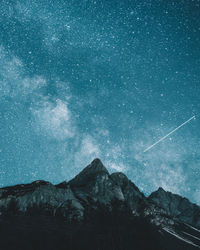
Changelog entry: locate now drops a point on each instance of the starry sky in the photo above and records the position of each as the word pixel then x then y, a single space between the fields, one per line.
pixel 81 79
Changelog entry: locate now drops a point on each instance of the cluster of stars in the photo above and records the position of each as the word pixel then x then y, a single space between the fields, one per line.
pixel 115 74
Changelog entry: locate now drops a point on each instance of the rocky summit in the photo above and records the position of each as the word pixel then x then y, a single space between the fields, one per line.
pixel 98 211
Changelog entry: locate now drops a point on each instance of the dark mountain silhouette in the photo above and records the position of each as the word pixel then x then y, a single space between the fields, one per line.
pixel 96 210
pixel 178 207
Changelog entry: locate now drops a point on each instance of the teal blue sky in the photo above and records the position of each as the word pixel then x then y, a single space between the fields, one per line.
pixel 86 79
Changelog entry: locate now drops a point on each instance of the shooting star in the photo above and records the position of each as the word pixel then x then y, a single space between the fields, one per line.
pixel 147 149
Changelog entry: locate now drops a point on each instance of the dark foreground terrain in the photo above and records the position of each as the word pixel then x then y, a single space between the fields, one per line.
pixel 96 211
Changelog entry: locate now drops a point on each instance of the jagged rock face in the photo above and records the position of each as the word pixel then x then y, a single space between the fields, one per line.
pixel 92 186
pixel 177 206
pixel 98 198
pixel 132 194
pixel 92 170
pixel 37 196
pixel 94 183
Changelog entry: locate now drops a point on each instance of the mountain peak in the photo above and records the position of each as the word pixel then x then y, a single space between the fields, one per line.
pixel 97 166
pixel 96 161
pixel 97 203
pixel 94 168
pixel 177 206
pixel 160 189
pixel 159 192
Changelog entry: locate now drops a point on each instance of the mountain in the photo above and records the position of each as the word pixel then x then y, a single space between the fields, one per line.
pixel 94 183
pixel 96 210
pixel 177 207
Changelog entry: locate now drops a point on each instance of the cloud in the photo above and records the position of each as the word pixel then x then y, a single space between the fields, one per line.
pixel 119 167
pixel 89 146
pixel 114 157
pixel 51 116
pixel 14 81
pixel 171 178
pixel 162 166
pixel 102 132
pixel 55 119
pixel 86 151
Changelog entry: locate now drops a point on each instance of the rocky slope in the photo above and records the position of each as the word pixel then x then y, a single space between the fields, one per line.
pixel 110 208
pixel 178 207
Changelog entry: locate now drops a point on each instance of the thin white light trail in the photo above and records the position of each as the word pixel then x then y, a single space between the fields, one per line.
pixel 147 149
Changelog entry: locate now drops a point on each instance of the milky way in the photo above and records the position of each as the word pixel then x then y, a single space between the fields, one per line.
pixel 85 79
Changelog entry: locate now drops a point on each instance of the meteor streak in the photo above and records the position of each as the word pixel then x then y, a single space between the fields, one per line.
pixel 147 149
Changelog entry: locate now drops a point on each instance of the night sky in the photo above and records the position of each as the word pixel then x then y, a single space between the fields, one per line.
pixel 81 79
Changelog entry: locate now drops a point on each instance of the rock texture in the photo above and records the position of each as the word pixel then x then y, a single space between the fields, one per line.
pixel 95 184
pixel 131 193
pixel 39 197
pixel 98 207
pixel 178 207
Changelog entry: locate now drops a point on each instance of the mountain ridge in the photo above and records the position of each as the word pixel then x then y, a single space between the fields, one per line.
pixel 93 194
pixel 96 172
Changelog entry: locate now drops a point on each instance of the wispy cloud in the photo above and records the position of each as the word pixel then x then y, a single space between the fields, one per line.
pixel 116 166
pixel 163 165
pixel 55 119
pixel 89 146
pixel 87 151
pixel 14 81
